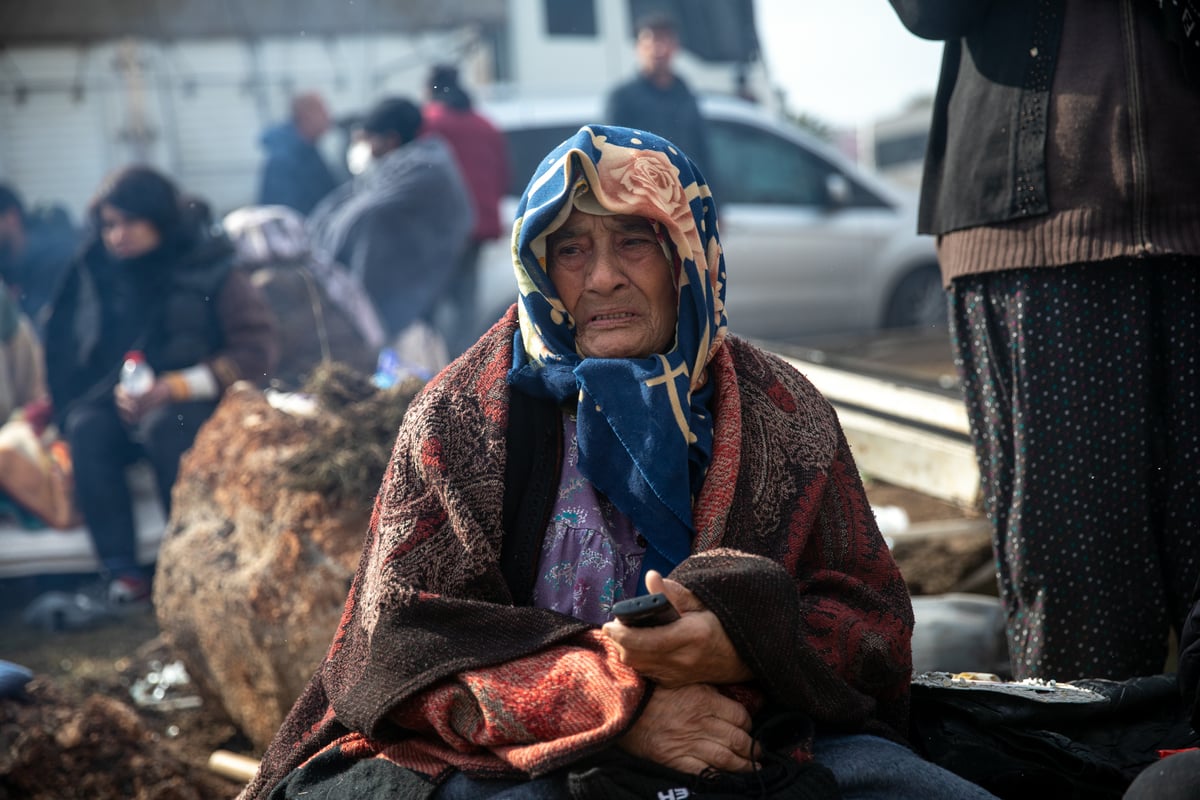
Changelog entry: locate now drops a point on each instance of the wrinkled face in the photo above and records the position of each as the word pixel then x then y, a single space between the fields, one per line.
pixel 124 236
pixel 615 281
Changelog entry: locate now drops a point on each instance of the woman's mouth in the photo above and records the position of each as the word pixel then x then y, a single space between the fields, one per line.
pixel 614 317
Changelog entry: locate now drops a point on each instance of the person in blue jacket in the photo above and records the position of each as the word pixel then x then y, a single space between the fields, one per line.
pixel 295 173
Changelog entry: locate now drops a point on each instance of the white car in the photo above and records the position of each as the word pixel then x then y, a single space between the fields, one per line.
pixel 813 243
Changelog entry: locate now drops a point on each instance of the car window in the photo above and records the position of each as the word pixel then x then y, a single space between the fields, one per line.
pixel 527 146
pixel 751 165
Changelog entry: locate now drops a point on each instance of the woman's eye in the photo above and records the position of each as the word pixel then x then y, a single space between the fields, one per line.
pixel 567 255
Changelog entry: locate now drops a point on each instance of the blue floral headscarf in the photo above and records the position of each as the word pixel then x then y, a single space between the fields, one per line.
pixel 643 424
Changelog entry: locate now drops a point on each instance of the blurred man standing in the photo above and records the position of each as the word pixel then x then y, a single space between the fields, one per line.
pixel 482 157
pixel 295 174
pixel 656 99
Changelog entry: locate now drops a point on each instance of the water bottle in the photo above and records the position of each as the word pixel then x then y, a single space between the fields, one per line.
pixel 137 377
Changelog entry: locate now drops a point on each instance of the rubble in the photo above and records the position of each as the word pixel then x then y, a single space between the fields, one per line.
pixel 268 517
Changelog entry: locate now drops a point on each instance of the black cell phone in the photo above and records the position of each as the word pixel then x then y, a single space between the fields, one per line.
pixel 646 611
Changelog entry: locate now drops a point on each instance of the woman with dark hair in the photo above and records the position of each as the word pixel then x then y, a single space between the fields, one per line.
pixel 152 277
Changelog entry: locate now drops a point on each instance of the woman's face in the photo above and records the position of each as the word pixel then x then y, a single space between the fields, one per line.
pixel 614 279
pixel 124 236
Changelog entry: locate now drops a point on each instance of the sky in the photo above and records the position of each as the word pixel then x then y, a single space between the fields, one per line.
pixel 845 62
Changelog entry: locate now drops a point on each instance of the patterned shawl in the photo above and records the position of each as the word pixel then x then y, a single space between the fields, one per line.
pixel 433 668
pixel 644 427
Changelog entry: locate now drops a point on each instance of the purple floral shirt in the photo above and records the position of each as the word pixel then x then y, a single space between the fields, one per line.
pixel 591 556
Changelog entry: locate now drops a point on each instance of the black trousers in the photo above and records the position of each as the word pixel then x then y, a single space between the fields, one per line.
pixel 1082 383
pixel 102 446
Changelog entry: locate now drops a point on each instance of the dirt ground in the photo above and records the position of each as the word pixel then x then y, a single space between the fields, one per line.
pixel 80 733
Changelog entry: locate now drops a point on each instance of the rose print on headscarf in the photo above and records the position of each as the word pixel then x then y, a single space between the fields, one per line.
pixel 646 183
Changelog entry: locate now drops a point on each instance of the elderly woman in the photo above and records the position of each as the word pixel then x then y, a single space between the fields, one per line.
pixel 605 433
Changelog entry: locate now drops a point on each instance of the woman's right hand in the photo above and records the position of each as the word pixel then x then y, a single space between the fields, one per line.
pixel 132 408
pixel 692 728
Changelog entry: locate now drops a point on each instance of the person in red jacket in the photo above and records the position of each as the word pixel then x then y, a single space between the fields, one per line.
pixel 482 156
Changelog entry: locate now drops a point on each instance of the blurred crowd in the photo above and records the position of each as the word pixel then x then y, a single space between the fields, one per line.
pixel 119 335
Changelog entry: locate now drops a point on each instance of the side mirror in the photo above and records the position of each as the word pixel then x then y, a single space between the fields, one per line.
pixel 837 190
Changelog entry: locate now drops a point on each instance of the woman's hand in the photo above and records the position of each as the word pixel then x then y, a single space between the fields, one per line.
pixel 691 729
pixel 693 649
pixel 132 408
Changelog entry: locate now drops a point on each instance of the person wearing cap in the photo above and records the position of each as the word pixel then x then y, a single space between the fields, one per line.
pixel 400 226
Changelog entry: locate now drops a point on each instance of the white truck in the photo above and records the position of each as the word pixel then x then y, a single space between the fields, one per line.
pixel 189 86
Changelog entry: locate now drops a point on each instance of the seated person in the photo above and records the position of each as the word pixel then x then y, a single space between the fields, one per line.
pixel 401 226
pixel 152 277
pixel 608 432
pixel 22 365
pixel 36 245
pixel 322 313
pixel 1177 777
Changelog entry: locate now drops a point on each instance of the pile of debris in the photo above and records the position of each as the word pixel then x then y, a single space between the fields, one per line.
pixel 267 524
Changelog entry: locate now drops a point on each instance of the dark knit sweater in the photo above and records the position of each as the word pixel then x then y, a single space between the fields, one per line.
pixel 1063 133
pixel 787 555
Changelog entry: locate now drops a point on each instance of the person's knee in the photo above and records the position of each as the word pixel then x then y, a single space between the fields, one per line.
pixel 81 421
pixel 93 433
pixel 1176 776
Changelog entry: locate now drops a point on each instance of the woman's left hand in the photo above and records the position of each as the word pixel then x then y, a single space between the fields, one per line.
pixel 132 408
pixel 693 649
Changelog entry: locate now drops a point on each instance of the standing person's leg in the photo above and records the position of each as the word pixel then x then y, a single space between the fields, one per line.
pixel 100 451
pixel 1055 365
pixel 166 434
pixel 1178 313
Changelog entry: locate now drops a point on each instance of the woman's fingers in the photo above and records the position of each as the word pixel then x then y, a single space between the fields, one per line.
pixel 694 649
pixel 682 598
pixel 730 750
pixel 691 729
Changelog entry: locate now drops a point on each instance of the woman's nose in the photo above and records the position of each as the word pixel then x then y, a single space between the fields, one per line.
pixel 605 273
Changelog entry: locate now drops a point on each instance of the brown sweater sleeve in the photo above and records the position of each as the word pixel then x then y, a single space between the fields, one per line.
pixel 248 329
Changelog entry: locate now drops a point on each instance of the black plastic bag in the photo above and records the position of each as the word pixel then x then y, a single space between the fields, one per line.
pixel 1084 739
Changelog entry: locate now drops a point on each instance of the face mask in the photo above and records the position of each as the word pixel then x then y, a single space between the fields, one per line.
pixel 358 157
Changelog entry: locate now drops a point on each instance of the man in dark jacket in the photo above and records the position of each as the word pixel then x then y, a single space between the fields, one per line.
pixel 657 99
pixel 295 173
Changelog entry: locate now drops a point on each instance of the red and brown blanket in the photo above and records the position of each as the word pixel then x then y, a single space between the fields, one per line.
pixel 434 668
